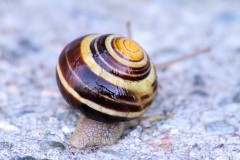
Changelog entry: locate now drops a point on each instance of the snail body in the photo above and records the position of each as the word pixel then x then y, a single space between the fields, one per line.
pixel 110 79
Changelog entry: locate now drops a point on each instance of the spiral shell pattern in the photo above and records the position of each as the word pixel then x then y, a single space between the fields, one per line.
pixel 108 77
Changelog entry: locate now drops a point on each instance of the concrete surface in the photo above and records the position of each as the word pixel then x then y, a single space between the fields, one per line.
pixel 201 96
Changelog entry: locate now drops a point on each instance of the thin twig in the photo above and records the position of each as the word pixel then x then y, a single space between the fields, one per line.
pixel 158 118
pixel 129 31
pixel 182 58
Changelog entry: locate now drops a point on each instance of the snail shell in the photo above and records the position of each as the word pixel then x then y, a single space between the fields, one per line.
pixel 108 77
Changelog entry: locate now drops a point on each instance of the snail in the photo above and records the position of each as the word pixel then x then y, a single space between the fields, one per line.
pixel 111 80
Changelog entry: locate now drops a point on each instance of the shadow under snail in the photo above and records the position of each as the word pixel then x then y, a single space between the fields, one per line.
pixel 111 80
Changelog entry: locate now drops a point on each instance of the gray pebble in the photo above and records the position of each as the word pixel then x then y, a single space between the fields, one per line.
pixel 47 145
pixel 198 80
pixel 220 127
pixel 236 97
pixel 55 144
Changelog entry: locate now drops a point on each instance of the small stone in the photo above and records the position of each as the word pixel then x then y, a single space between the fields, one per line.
pixel 55 144
pixel 174 131
pixel 47 145
pixel 198 80
pixel 66 130
pixel 220 127
pixel 236 97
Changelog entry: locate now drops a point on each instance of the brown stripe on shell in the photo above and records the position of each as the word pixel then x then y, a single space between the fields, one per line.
pixel 105 55
pixel 86 110
pixel 133 73
pixel 154 85
pixel 146 96
pixel 133 70
pixel 95 115
pixel 92 87
pixel 87 76
pixel 148 104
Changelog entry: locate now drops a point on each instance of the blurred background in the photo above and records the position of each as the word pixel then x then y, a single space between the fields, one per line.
pixel 202 93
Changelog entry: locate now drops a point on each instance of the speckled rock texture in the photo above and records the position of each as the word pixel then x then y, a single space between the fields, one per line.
pixel 200 97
